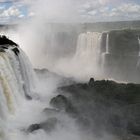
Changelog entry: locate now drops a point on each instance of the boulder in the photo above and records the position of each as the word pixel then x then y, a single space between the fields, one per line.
pixel 48 125
pixel 62 103
pixel 33 127
pixel 6 41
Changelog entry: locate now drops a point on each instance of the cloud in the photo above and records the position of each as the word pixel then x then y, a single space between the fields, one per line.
pixel 104 12
pixel 10 12
pixel 117 2
pixel 128 8
pixel 71 10
pixel 126 11
pixel 104 1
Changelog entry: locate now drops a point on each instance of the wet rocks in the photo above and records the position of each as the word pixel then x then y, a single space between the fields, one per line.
pixel 33 127
pixel 16 51
pixel 6 41
pixel 62 103
pixel 102 106
pixel 47 126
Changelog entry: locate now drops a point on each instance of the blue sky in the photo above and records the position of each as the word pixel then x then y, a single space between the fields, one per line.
pixel 88 10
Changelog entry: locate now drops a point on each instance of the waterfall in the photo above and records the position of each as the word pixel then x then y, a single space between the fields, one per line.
pixel 87 44
pixel 107 43
pixel 113 54
pixel 17 81
pixel 87 48
pixel 87 52
pixel 103 49
pixel 139 44
pixel 119 55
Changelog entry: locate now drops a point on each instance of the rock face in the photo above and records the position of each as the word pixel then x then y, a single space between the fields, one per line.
pixel 47 126
pixel 123 42
pixel 119 55
pixel 5 41
pixel 100 106
pixel 62 103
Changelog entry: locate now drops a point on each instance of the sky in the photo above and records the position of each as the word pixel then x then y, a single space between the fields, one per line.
pixel 12 11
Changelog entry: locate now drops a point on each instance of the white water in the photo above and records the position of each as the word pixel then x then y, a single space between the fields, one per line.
pixel 87 44
pixel 88 47
pixel 17 78
pixel 107 43
pixel 84 63
pixel 16 75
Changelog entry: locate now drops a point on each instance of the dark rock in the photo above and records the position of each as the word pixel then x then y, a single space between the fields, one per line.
pixel 4 47
pixel 47 126
pixel 51 112
pixel 121 67
pixel 16 51
pixel 103 106
pixel 91 82
pixel 123 42
pixel 33 127
pixel 28 97
pixel 2 50
pixel 5 41
pixel 62 103
pixel 119 55
pixel 130 137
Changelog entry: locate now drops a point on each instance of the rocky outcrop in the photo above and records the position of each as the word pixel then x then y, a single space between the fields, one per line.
pixel 5 41
pixel 100 106
pixel 123 42
pixel 48 125
pixel 119 55
pixel 62 103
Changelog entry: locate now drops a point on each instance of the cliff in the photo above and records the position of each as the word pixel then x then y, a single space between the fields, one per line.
pixel 102 106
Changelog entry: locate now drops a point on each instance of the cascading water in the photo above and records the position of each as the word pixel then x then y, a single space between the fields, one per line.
pixel 87 45
pixel 87 52
pixel 112 55
pixel 17 80
pixel 22 119
pixel 18 85
pixel 84 63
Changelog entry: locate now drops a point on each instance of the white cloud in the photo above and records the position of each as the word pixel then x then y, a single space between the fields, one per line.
pixel 11 11
pixel 130 11
pixel 74 9
pixel 130 8
pixel 92 13
pixel 123 11
pixel 104 1
pixel 104 9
